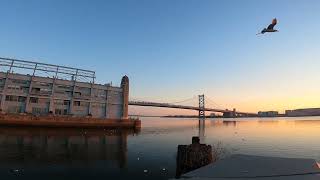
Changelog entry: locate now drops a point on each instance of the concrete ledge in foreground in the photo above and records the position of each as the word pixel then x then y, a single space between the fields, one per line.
pixel 245 167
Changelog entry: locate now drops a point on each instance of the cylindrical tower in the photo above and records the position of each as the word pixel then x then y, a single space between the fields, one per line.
pixel 125 95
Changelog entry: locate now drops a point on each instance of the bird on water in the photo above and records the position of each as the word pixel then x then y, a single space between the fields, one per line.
pixel 270 27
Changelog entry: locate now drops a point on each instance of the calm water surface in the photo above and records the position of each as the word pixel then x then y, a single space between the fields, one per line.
pixel 35 153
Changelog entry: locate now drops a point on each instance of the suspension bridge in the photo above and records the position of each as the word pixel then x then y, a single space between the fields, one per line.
pixel 202 100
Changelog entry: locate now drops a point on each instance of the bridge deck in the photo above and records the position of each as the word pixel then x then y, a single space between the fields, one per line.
pixel 167 105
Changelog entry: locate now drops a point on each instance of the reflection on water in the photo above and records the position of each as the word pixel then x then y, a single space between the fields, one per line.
pixel 202 129
pixel 151 153
pixel 22 147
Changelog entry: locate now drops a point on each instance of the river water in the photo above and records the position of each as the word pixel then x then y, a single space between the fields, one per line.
pixel 37 153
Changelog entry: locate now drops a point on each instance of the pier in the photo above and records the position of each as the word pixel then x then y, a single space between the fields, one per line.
pixel 70 122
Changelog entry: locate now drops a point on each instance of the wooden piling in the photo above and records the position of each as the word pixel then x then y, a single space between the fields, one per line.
pixel 193 156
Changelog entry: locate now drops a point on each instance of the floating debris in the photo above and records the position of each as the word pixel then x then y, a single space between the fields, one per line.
pixel 163 169
pixel 235 149
pixel 138 159
pixel 16 171
pixel 145 171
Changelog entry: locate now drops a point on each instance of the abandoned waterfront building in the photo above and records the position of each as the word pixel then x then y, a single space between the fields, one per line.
pixel 43 89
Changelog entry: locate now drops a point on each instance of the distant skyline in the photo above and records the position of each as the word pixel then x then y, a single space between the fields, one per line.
pixel 176 49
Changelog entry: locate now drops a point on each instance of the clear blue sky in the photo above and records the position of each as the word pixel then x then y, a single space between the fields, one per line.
pixel 175 49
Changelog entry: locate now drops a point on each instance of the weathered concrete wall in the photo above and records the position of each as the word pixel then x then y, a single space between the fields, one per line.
pixel 65 121
pixel 81 99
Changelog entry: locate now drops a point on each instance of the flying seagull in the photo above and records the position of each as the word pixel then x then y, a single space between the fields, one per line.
pixel 270 27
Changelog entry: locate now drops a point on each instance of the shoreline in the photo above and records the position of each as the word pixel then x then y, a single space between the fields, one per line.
pixel 67 121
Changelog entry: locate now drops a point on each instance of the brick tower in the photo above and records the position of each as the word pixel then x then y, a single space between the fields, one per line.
pixel 125 88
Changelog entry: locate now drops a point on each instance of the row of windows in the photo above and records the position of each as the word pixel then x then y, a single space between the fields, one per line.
pixel 80 103
pixel 83 90
pixel 15 87
pixel 15 98
pixel 102 105
pixel 99 92
pixel 43 84
pixel 62 102
pixel 81 94
pixel 36 110
pixel 56 102
pixel 39 100
pixel 18 81
pixel 61 111
pixel 67 102
pixel 18 88
pixel 37 90
pixel 15 109
pixel 63 92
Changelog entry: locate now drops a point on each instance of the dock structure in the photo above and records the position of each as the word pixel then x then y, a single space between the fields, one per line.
pixel 247 167
pixel 39 89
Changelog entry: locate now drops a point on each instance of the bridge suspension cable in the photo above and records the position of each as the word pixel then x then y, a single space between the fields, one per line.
pixel 183 101
pixel 211 102
pixel 192 101
pixel 197 107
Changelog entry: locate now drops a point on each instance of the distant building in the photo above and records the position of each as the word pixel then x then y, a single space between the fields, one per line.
pixel 304 112
pixel 212 115
pixel 268 113
pixel 230 114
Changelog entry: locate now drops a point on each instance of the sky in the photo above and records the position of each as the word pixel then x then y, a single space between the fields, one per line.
pixel 177 49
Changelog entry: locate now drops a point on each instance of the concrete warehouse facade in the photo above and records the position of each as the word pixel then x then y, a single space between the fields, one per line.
pixel 62 91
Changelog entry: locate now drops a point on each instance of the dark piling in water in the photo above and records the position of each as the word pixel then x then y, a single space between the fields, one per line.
pixel 193 156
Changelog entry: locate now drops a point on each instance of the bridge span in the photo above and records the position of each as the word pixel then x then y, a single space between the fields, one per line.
pixel 200 108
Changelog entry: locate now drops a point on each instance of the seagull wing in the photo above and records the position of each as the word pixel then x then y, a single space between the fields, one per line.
pixel 274 22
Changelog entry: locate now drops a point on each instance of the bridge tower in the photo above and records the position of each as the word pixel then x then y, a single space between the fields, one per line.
pixel 201 106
